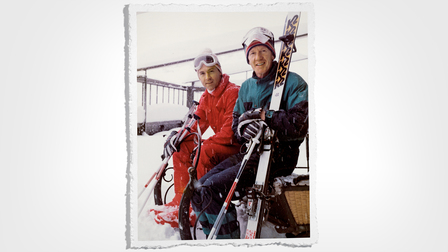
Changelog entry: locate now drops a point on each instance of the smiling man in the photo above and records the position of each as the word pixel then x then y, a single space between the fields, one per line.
pixel 215 111
pixel 260 52
pixel 255 93
pixel 260 59
pixel 254 97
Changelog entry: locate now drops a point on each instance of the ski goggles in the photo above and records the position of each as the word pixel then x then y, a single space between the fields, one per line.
pixel 258 34
pixel 206 59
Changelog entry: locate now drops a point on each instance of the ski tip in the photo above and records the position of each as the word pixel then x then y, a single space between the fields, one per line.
pixel 293 13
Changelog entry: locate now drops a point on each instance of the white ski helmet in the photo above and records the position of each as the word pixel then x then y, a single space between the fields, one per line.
pixel 208 58
pixel 258 36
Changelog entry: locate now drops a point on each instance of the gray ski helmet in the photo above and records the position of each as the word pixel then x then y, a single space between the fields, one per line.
pixel 258 36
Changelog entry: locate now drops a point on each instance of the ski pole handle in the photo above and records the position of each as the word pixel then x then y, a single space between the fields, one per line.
pixel 185 130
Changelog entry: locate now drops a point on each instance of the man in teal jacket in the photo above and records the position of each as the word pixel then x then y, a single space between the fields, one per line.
pixel 290 123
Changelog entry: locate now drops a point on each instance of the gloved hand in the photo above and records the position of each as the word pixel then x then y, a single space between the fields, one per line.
pixel 250 114
pixel 250 117
pixel 251 130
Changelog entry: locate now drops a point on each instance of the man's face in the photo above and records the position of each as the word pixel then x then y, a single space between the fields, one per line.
pixel 209 77
pixel 260 59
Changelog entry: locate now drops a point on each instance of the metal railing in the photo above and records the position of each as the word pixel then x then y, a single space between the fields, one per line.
pixel 155 92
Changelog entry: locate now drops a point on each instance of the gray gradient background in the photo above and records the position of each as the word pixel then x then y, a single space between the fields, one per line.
pixel 380 90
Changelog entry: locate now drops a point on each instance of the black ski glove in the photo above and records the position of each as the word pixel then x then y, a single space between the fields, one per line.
pixel 251 130
pixel 248 129
pixel 250 114
pixel 248 124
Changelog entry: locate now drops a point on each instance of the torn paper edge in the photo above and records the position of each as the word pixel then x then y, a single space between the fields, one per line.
pixel 130 12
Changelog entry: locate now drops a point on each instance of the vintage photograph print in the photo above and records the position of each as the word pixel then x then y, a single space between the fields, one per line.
pixel 220 125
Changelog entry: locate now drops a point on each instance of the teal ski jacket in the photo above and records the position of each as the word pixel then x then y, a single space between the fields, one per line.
pixel 291 120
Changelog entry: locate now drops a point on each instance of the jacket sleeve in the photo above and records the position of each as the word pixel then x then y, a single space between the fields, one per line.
pixel 292 121
pixel 290 124
pixel 225 134
pixel 238 110
pixel 235 116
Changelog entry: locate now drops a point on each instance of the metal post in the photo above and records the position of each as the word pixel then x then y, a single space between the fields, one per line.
pixel 190 95
pixel 150 93
pixel 157 94
pixel 144 102
pixel 183 97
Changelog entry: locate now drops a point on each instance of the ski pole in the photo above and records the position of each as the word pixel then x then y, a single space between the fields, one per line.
pixel 186 127
pixel 184 206
pixel 162 167
pixel 157 175
pixel 253 142
pixel 188 122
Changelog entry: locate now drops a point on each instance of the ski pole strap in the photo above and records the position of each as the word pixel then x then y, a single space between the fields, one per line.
pixel 187 120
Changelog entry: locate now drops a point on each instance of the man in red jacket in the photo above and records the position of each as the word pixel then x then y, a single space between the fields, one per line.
pixel 214 110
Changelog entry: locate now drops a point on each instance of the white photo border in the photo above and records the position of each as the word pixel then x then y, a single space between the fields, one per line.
pixel 130 12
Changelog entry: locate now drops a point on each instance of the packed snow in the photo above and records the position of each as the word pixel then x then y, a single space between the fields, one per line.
pixel 149 151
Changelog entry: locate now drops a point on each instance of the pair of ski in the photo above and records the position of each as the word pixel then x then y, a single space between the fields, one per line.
pixel 256 201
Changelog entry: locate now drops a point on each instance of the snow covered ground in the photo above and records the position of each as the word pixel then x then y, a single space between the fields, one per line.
pixel 149 149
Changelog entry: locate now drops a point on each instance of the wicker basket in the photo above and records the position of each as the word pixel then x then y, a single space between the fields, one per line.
pixel 298 199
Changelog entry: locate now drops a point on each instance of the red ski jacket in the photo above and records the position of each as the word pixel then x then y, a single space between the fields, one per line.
pixel 215 111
